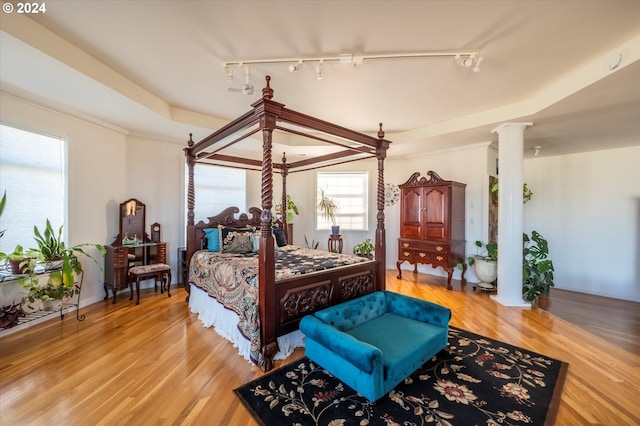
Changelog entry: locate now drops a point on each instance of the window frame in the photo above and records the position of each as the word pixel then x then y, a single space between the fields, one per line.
pixel 19 234
pixel 320 223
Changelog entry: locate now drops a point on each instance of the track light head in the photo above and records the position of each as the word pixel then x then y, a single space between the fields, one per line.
pixel 476 68
pixel 247 87
pixel 295 67
pixel 319 70
pixel 228 71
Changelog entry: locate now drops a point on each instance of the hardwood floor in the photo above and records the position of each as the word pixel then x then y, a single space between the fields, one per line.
pixel 155 364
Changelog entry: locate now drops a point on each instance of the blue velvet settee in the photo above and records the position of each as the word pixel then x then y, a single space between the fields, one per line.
pixel 374 342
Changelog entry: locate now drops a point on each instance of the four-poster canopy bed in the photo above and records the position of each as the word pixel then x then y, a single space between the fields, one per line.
pixel 283 295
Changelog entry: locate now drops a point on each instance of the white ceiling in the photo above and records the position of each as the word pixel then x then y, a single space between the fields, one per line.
pixel 156 67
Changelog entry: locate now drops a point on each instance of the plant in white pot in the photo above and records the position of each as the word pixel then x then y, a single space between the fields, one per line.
pixel 485 264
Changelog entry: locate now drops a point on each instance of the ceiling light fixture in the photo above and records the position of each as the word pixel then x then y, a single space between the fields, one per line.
pixel 476 67
pixel 229 73
pixel 468 59
pixel 295 67
pixel 247 87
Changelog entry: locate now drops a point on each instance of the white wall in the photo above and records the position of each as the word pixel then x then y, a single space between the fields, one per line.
pixel 588 207
pixel 466 165
pixel 155 175
pixel 96 179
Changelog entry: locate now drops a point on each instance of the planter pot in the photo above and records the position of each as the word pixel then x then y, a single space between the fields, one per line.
pixel 486 271
pixel 52 305
pixel 52 264
pixel 335 229
pixel 15 267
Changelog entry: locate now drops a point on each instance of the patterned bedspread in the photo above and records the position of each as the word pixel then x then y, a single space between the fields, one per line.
pixel 232 279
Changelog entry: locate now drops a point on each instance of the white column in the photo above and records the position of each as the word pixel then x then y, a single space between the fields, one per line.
pixel 510 217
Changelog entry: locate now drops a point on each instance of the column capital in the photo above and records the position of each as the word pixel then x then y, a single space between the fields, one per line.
pixel 519 125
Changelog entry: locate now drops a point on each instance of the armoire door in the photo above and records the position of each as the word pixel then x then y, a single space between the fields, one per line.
pixel 436 213
pixel 411 213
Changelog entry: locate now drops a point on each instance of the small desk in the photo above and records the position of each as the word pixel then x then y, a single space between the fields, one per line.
pixel 120 258
pixel 335 243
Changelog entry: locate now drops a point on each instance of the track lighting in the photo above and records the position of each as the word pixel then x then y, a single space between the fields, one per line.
pixel 229 73
pixel 247 87
pixel 295 67
pixel 476 68
pixel 470 59
pixel 536 150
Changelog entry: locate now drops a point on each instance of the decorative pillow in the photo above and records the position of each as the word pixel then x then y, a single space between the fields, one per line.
pixel 281 239
pixel 213 239
pixel 255 241
pixel 235 240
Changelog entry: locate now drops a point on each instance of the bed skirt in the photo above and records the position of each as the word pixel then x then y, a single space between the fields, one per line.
pixel 225 322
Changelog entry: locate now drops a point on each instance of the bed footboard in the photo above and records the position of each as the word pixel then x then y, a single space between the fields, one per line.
pixel 296 297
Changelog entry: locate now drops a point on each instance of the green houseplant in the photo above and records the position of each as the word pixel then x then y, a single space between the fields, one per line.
pixel 61 276
pixel 291 208
pixel 364 249
pixel 537 268
pixel 3 203
pixel 21 261
pixel 485 264
pixel 488 251
pixel 328 207
pixel 311 245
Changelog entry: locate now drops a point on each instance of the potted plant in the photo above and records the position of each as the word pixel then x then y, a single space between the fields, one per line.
pixel 328 207
pixel 485 264
pixel 311 245
pixel 526 192
pixel 537 269
pixel 50 245
pixel 20 261
pixel 3 203
pixel 364 249
pixel 61 281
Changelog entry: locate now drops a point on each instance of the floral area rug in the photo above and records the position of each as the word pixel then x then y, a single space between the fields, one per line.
pixel 473 381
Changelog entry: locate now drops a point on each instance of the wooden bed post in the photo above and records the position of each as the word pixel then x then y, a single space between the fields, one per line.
pixel 266 257
pixel 380 248
pixel 284 171
pixel 191 196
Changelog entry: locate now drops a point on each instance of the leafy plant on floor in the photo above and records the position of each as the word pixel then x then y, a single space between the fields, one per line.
pixel 537 268
pixel 488 251
pixel 364 249
pixel 313 245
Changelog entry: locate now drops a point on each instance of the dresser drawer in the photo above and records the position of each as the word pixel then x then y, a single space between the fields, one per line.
pixel 404 254
pixel 120 258
pixel 423 246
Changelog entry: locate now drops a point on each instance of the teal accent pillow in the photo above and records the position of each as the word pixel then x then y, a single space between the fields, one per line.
pixel 213 239
pixel 255 242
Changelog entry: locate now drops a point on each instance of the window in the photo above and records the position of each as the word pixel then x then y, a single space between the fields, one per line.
pixel 216 188
pixel 32 171
pixel 350 191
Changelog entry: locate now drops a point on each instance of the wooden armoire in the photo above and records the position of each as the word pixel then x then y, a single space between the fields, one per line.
pixel 432 223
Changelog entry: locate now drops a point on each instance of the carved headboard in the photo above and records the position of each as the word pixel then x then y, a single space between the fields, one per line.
pixel 228 219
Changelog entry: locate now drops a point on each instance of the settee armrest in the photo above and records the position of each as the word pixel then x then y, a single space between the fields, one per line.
pixel 418 309
pixel 362 355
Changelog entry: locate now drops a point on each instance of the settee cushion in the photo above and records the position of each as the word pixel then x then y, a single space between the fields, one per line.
pixel 405 343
